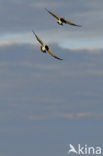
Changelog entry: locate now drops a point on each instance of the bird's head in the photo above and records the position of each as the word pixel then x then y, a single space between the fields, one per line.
pixel 63 17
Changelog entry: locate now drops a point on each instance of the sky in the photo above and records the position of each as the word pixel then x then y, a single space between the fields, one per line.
pixel 47 104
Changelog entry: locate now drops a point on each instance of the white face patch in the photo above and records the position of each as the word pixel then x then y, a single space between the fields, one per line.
pixel 60 22
pixel 43 48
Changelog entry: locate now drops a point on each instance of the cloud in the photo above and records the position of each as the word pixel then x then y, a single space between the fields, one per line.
pixel 12 39
pixel 49 117
pixel 89 115
pixel 64 39
pixel 17 28
pixel 88 14
pixel 65 116
pixel 47 4
pixel 95 46
pixel 53 89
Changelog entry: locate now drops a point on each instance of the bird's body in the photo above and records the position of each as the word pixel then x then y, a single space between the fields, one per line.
pixel 45 48
pixel 61 20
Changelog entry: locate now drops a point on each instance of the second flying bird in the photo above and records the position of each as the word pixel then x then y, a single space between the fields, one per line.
pixel 61 20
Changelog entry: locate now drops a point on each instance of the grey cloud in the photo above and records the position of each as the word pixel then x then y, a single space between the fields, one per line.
pixel 29 77
pixel 88 14
pixel 47 4
pixel 90 115
pixel 69 116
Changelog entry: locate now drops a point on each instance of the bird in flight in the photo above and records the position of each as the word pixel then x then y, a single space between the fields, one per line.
pixel 45 48
pixel 61 20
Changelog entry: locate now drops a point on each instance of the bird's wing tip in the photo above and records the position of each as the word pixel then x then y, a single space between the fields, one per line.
pixel 79 25
pixel 58 58
pixel 46 9
pixel 33 31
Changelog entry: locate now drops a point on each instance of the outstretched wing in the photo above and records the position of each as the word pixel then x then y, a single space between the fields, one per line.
pixel 68 22
pixel 40 41
pixel 57 17
pixel 52 54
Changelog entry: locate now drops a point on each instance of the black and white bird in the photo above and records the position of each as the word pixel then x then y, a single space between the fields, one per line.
pixel 61 20
pixel 45 47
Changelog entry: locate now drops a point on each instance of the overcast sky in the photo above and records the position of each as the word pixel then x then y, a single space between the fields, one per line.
pixel 46 104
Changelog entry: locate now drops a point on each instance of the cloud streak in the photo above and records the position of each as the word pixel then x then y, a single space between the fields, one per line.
pixel 69 116
pixel 47 4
